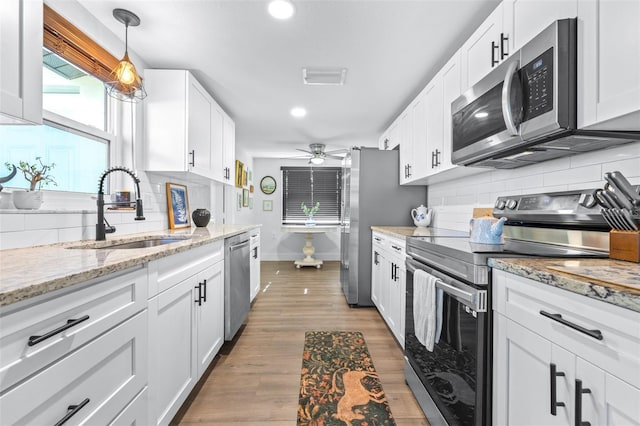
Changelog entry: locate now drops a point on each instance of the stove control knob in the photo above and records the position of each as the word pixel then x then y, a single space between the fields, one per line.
pixel 511 204
pixel 587 200
pixel 500 204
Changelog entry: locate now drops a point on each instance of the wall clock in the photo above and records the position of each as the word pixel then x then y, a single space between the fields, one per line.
pixel 268 185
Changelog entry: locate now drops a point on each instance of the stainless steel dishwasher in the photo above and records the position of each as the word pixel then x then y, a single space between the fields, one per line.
pixel 237 298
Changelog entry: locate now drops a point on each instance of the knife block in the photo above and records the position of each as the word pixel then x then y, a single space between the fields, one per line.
pixel 624 245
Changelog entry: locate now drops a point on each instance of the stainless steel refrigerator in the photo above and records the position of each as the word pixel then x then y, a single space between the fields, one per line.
pixel 371 196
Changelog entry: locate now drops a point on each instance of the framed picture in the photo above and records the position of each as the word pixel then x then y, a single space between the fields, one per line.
pixel 245 198
pixel 268 185
pixel 178 206
pixel 251 188
pixel 250 176
pixel 251 203
pixel 244 178
pixel 239 203
pixel 267 205
pixel 239 171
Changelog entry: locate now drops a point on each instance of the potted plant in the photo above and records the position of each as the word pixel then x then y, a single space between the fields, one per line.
pixel 38 175
pixel 310 212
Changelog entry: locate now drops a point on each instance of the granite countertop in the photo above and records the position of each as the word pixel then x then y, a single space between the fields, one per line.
pixel 600 279
pixel 414 231
pixel 32 271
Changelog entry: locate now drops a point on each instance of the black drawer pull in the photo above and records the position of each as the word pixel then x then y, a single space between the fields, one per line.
pixel 199 299
pixel 204 284
pixel 72 411
pixel 34 340
pixel 596 334
pixel 579 391
pixel 554 373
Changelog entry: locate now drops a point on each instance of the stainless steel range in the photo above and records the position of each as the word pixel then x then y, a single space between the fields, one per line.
pixel 452 382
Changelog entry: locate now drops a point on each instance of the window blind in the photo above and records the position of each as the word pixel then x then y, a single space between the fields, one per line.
pixel 310 185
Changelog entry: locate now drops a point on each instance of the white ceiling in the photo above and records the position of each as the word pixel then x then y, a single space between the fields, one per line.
pixel 252 64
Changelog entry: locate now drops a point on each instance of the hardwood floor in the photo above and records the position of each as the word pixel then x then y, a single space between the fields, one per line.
pixel 255 379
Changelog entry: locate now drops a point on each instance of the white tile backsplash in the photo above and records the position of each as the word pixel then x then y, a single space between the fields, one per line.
pixel 453 201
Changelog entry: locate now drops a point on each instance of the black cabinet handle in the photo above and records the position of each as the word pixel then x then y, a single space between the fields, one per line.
pixel 579 391
pixel 199 299
pixel 193 158
pixel 393 271
pixel 408 170
pixel 596 334
pixel 503 38
pixel 34 340
pixel 386 143
pixel 255 252
pixel 553 374
pixel 494 47
pixel 375 258
pixel 72 410
pixel 204 286
pixel 437 157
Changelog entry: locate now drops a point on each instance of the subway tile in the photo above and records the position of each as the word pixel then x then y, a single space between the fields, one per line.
pixel 630 168
pixel 28 238
pixel 590 173
pixel 10 222
pixel 618 153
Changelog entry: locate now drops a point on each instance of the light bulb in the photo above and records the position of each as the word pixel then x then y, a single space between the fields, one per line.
pixel 126 73
pixel 317 160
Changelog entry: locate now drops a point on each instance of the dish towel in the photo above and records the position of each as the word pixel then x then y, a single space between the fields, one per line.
pixel 424 308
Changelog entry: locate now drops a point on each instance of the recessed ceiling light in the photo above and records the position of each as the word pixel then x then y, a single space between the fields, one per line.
pixel 281 9
pixel 298 112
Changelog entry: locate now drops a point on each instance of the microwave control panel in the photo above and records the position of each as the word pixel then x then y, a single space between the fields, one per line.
pixel 537 77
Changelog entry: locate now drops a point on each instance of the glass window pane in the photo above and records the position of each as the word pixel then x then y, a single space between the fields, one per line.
pixel 79 158
pixel 70 92
pixel 309 185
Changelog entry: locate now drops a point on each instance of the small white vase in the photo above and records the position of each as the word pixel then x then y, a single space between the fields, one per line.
pixel 28 200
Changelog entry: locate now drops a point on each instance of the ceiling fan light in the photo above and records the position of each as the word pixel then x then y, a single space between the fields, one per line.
pixel 281 9
pixel 316 160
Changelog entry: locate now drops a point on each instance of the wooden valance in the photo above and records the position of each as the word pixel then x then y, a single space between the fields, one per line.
pixel 67 41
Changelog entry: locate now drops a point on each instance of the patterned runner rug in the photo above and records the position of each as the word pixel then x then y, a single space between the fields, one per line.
pixel 338 384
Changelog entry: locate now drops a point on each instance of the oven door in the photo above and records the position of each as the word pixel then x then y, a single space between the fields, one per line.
pixel 454 378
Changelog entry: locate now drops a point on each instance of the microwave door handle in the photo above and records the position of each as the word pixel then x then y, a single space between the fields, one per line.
pixel 506 96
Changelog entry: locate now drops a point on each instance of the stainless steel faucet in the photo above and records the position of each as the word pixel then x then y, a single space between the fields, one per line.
pixel 103 227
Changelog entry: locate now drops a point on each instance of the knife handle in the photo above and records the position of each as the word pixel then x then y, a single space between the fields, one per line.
pixel 625 187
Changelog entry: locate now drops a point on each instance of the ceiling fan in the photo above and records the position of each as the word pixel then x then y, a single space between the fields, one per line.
pixel 317 153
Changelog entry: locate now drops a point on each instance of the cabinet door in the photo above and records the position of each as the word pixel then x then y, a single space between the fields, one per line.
pixel 255 266
pixel 21 64
pixel 217 143
pixel 209 313
pixel 451 76
pixel 393 306
pixel 418 139
pixel 402 283
pixel 524 19
pixel 481 52
pixel 521 376
pixel 406 147
pixel 199 129
pixel 609 60
pixel 229 149
pixel 433 111
pixel 394 135
pixel 172 359
pixel 384 283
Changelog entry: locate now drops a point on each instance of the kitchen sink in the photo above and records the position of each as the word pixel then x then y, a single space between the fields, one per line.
pixel 135 244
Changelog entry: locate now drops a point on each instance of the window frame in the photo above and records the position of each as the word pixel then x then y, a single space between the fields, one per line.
pixel 300 218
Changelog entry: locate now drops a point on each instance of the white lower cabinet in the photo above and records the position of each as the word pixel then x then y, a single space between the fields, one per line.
pixel 388 281
pixel 85 343
pixel 186 325
pixel 554 370
pixel 254 267
pixel 92 385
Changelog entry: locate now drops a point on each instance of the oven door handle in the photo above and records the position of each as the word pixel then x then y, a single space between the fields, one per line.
pixel 475 298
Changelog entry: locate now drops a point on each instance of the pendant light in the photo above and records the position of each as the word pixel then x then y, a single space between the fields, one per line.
pixel 125 83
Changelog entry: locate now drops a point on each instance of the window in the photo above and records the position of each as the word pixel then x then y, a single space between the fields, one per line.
pixel 310 185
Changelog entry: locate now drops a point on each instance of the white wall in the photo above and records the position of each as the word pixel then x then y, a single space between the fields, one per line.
pixel 453 201
pixel 274 243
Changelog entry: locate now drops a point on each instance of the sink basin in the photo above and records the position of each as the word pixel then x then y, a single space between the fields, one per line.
pixel 135 244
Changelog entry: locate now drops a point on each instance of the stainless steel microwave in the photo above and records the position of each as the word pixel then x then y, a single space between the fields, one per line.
pixel 524 111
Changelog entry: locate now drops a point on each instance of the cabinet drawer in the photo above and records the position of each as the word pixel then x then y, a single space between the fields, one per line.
pixel 136 411
pixel 522 300
pixel 166 272
pixel 108 372
pixel 106 303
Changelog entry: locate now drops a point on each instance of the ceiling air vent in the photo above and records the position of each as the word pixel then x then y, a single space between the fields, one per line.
pixel 324 76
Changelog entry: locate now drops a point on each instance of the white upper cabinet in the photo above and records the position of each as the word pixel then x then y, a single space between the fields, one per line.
pixel 229 151
pixel 484 49
pixel 451 76
pixel 185 129
pixel 21 64
pixel 609 64
pixel 524 19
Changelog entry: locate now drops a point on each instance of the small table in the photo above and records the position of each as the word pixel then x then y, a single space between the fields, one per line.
pixel 308 248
